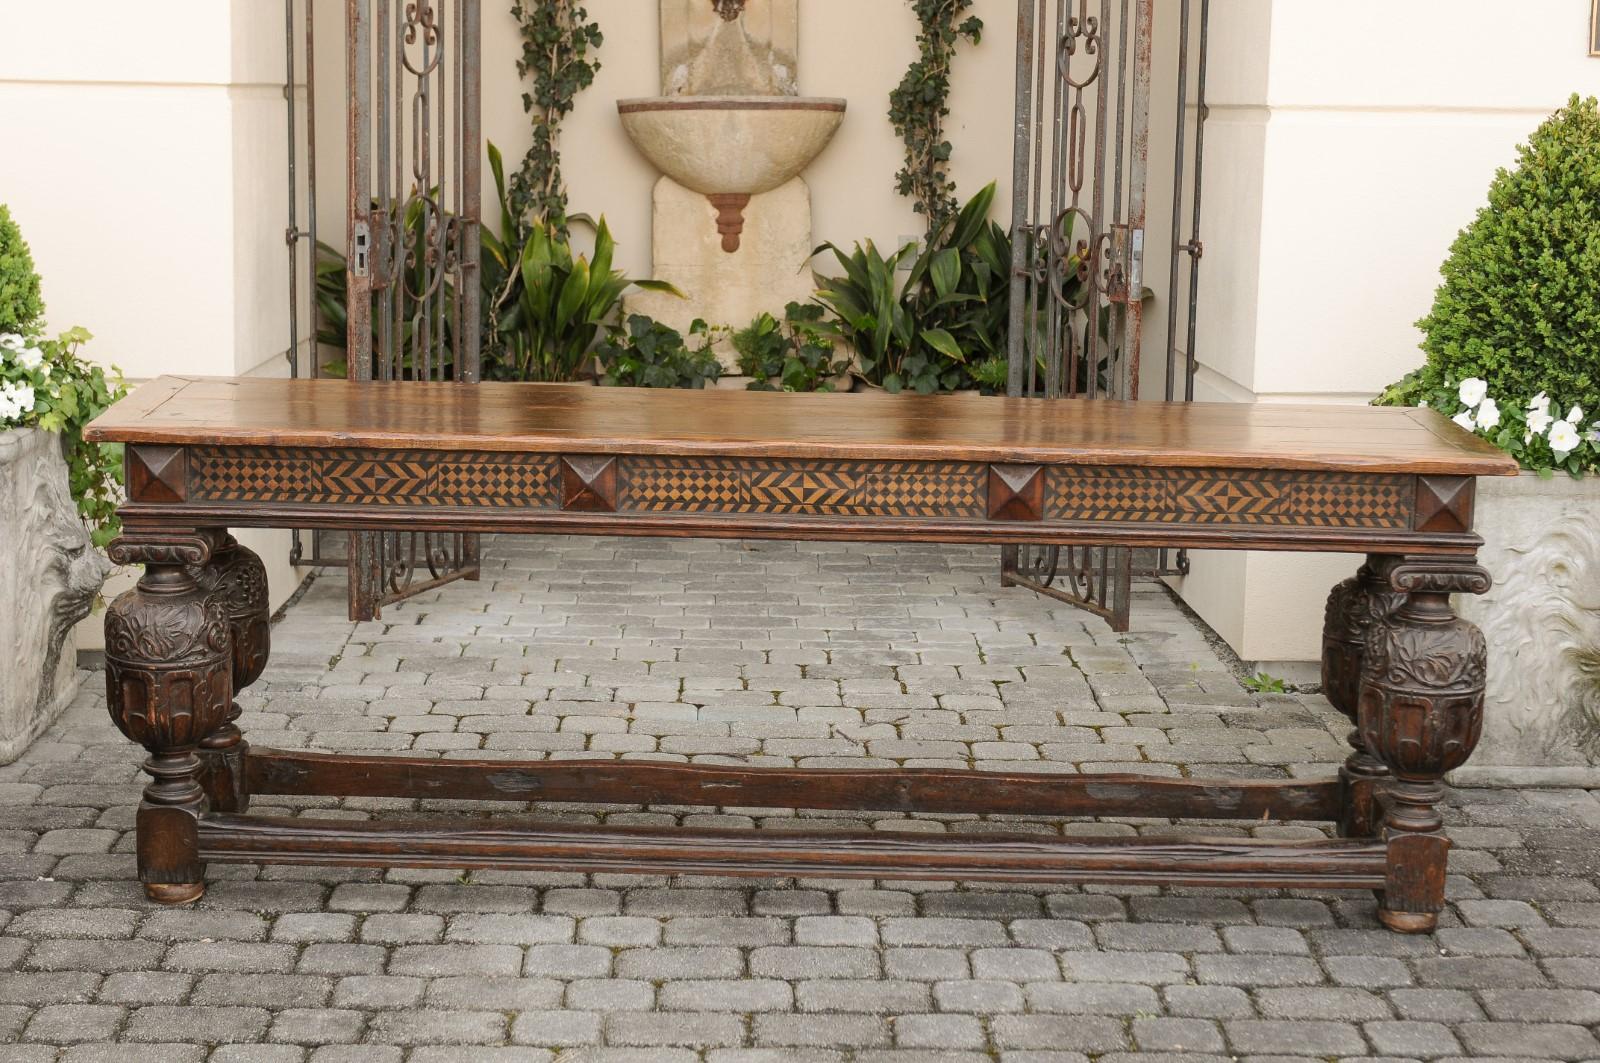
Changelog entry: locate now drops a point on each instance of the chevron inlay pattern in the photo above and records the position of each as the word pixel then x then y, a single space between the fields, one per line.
pixel 1228 496
pixel 844 488
pixel 380 478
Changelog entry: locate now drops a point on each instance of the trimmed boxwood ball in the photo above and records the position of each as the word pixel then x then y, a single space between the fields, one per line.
pixel 1520 304
pixel 21 305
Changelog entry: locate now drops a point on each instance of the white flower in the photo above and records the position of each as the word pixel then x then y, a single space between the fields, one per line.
pixel 11 341
pixel 1488 414
pixel 30 358
pixel 1563 438
pixel 1473 391
pixel 1464 419
pixel 9 410
pixel 1540 402
pixel 1539 421
pixel 1575 416
pixel 18 396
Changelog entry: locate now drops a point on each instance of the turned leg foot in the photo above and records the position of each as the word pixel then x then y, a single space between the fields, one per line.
pixel 174 893
pixel 237 574
pixel 1421 712
pixel 168 687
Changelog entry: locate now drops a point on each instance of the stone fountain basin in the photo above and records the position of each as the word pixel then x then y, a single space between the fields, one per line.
pixel 731 145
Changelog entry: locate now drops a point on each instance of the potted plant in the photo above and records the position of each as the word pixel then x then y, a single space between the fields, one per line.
pixel 1513 354
pixel 57 500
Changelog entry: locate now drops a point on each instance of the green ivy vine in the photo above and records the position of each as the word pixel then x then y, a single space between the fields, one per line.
pixel 558 54
pixel 919 105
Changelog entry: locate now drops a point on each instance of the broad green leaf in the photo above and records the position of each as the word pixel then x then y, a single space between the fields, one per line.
pixel 941 340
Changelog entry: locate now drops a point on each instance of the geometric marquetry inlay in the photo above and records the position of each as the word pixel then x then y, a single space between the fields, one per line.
pixel 933 490
pixel 676 484
pixel 1229 496
pixel 372 477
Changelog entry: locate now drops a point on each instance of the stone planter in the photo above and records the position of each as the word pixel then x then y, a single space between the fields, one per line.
pixel 1542 622
pixel 49 576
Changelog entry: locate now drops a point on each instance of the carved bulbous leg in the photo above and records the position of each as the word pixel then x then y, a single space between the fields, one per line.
pixel 1421 711
pixel 168 686
pixel 1353 607
pixel 237 574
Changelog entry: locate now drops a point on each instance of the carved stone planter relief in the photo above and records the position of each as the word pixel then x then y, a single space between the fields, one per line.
pixel 1542 623
pixel 49 576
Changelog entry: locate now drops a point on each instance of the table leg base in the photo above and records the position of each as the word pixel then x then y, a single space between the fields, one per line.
pixel 1409 922
pixel 174 893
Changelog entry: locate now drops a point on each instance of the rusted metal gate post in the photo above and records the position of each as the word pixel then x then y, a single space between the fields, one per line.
pixel 412 241
pixel 1078 243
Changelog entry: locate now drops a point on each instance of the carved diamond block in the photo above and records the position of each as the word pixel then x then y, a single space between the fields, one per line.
pixel 1444 503
pixel 1016 492
pixel 158 474
pixel 589 483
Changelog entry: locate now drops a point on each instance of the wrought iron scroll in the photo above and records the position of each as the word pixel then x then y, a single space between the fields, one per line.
pixel 1078 233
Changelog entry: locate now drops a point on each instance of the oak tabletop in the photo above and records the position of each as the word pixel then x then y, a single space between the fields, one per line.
pixel 533 418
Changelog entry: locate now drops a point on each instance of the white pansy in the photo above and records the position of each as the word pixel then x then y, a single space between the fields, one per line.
pixel 1540 402
pixel 20 395
pixel 1539 421
pixel 30 358
pixel 1563 438
pixel 1575 415
pixel 1473 391
pixel 1488 414
pixel 11 341
pixel 1465 420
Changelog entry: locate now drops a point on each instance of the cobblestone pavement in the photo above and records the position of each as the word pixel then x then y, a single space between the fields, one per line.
pixel 810 655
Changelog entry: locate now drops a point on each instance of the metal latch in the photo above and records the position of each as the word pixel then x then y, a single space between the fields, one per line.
pixel 361 247
pixel 1136 267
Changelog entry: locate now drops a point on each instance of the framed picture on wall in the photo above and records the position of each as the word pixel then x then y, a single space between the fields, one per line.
pixel 1594 29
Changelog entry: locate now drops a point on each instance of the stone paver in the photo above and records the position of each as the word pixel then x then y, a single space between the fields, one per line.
pixel 774 653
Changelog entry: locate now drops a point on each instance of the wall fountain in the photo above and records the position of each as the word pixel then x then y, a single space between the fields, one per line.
pixel 731 135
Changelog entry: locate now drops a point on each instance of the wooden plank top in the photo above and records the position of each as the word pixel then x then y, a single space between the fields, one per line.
pixel 538 418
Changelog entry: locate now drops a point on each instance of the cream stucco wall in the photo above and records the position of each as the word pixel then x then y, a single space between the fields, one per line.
pixel 144 162
pixel 1341 161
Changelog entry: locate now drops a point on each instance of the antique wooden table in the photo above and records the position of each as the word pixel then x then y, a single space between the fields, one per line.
pixel 204 455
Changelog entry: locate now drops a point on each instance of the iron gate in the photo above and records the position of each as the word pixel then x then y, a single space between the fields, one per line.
pixel 1080 174
pixel 411 264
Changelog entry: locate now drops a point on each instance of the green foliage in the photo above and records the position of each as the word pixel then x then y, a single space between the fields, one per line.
pixel 991 374
pixel 647 354
pixel 20 302
pixel 947 317
pixel 919 105
pixel 545 306
pixel 558 46
pixel 1519 308
pixel 45 384
pixel 795 354
pixel 1262 683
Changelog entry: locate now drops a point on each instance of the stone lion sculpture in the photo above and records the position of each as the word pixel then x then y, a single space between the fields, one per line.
pixel 1543 631
pixel 55 573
